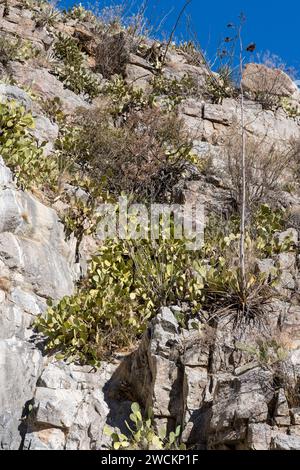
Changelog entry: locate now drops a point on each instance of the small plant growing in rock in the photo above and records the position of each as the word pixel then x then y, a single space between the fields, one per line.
pixel 223 293
pixel 268 351
pixel 72 71
pixel 293 111
pixel 20 150
pixel 67 49
pixel 192 52
pixel 81 81
pixel 123 96
pixel 172 91
pixel 16 49
pixel 79 13
pixel 218 88
pixel 265 224
pixel 143 435
pixel 30 4
pixel 52 107
pixel 80 218
pixel 47 15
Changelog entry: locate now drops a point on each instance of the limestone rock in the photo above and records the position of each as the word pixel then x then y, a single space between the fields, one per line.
pixel 285 442
pixel 217 113
pixel 176 67
pixel 45 131
pixel 35 263
pixel 259 78
pixel 45 439
pixel 57 408
pixel 69 408
pixel 46 85
pixel 295 416
pixel 17 388
pixel 259 436
pixel 232 412
pixel 11 92
pixel 139 72
pixel 21 24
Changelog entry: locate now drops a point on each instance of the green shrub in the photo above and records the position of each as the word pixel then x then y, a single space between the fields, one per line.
pixel 143 435
pixel 292 110
pixel 124 97
pixel 66 49
pixel 72 71
pixel 79 13
pixel 217 88
pixel 223 292
pixel 20 150
pixel 13 48
pixel 172 91
pixel 81 216
pixel 266 222
pixel 122 292
pixel 52 107
pixel 46 15
pixel 129 280
pixel 80 80
pixel 169 92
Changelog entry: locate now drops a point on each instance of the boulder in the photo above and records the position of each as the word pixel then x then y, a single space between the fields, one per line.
pixel 259 78
pixel 46 85
pixel 284 442
pixel 17 388
pixel 69 408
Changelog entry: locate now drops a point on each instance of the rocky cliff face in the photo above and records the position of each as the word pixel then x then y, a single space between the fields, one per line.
pixel 207 380
pixel 36 264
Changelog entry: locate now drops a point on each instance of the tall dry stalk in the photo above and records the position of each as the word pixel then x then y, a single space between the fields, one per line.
pixel 243 165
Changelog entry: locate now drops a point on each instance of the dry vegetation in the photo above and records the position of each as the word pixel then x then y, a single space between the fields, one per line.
pixel 145 156
pixel 269 167
pixel 112 55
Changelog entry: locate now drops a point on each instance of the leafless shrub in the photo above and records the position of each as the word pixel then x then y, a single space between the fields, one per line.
pixel 112 54
pixel 296 146
pixel 267 85
pixel 274 61
pixel 286 377
pixel 111 16
pixel 145 156
pixel 267 167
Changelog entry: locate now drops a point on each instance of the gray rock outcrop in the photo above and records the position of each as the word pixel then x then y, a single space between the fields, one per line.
pixel 36 263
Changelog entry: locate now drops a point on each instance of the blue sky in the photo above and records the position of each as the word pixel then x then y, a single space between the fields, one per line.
pixel 273 26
